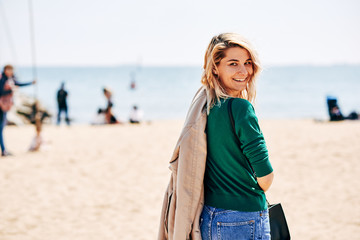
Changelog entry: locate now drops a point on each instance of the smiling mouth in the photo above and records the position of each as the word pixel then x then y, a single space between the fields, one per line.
pixel 239 79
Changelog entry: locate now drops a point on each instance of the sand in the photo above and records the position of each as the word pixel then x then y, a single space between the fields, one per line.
pixel 107 182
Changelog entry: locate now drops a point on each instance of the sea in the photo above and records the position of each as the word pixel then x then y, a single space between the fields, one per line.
pixel 162 93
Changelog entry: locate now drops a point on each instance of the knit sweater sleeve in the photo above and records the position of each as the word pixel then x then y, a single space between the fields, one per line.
pixel 252 142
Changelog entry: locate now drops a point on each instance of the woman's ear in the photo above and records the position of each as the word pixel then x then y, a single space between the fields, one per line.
pixel 215 72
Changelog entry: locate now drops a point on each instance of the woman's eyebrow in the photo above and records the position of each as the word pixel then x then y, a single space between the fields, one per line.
pixel 236 60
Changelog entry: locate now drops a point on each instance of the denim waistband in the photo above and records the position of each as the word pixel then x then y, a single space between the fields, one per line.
pixel 216 211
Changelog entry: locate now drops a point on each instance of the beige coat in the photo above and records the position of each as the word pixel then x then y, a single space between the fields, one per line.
pixel 184 197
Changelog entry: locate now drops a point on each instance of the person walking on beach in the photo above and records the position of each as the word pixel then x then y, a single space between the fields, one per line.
pixel 220 166
pixel 62 104
pixel 7 83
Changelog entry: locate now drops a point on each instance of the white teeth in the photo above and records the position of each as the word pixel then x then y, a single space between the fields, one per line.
pixel 240 80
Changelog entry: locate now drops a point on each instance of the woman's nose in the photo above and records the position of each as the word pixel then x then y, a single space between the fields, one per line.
pixel 242 70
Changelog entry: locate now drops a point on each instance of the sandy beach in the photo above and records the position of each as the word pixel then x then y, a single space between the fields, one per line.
pixel 107 182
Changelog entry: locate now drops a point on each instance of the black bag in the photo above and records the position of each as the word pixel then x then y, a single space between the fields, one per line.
pixel 278 227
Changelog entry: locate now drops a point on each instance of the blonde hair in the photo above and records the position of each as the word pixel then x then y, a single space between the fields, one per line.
pixel 214 53
pixel 107 91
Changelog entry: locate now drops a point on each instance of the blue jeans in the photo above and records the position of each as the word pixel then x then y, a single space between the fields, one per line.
pixel 221 224
pixel 2 126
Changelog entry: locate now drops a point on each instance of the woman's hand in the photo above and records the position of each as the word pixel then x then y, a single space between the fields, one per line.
pixel 266 181
pixel 34 82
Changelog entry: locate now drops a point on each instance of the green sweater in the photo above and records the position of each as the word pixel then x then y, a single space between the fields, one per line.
pixel 229 183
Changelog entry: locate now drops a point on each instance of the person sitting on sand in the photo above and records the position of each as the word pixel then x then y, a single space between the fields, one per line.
pixel 136 115
pixel 109 116
pixel 334 111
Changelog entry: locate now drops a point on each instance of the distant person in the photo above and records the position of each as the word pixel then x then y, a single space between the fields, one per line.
pixel 133 85
pixel 133 82
pixel 334 111
pixel 62 104
pixel 109 116
pixel 136 115
pixel 8 82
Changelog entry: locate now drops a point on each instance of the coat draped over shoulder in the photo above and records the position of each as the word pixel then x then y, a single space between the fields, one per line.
pixel 184 196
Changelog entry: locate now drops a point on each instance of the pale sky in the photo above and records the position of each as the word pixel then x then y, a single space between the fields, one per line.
pixel 165 32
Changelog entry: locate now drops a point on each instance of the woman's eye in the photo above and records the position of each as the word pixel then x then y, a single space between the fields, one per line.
pixel 233 64
pixel 248 63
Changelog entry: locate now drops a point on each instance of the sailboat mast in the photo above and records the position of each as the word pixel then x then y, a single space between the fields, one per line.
pixel 33 49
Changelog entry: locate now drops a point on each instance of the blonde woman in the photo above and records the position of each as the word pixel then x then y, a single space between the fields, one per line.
pixel 220 166
pixel 235 203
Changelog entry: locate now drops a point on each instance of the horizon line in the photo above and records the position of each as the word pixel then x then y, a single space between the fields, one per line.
pixel 178 65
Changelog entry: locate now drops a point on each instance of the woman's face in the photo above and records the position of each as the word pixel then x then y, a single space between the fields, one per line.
pixel 8 72
pixel 235 70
